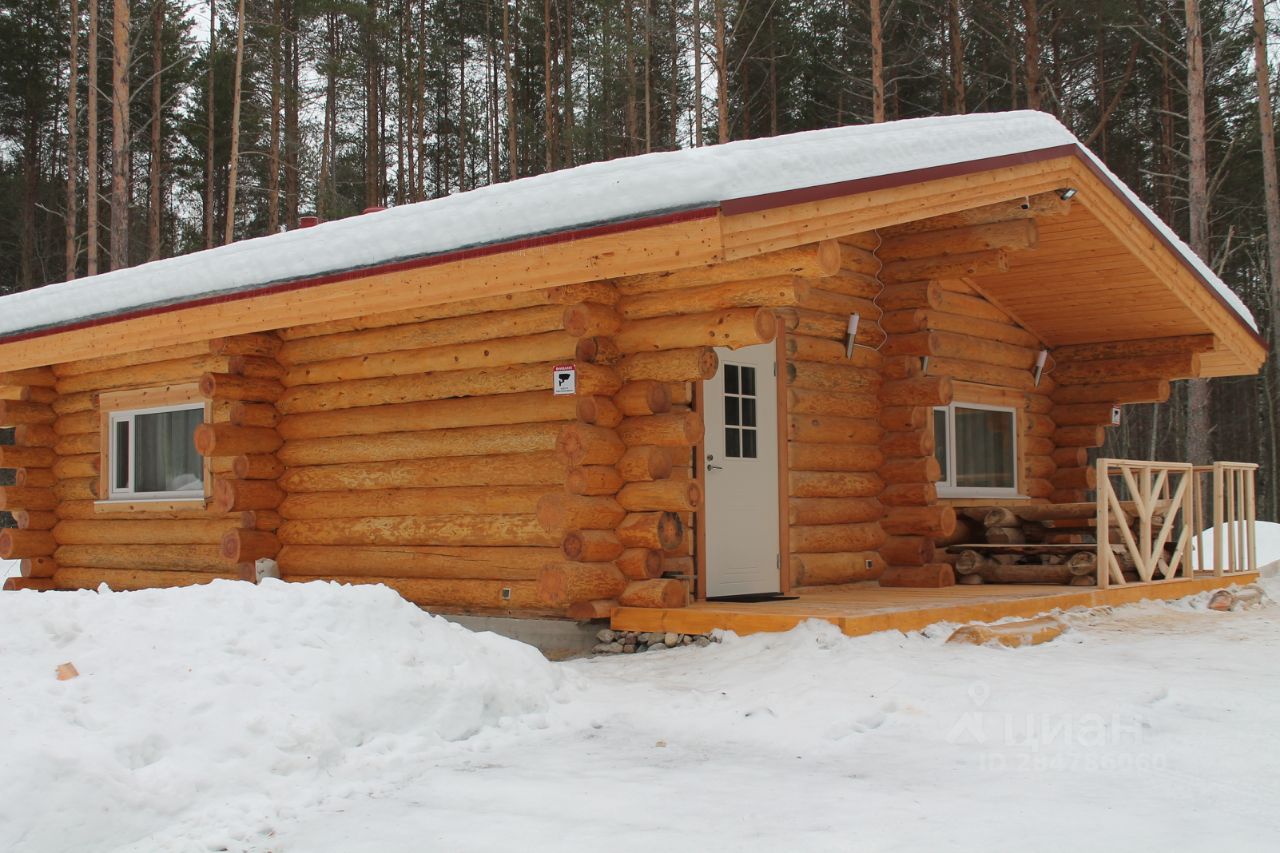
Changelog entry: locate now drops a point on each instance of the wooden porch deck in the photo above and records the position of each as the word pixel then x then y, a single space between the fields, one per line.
pixel 865 608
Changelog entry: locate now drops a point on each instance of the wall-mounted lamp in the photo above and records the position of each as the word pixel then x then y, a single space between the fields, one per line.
pixel 850 335
pixel 1040 361
pixel 1067 193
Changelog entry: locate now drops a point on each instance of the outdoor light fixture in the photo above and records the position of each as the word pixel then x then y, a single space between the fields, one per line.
pixel 850 335
pixel 1040 360
pixel 1067 193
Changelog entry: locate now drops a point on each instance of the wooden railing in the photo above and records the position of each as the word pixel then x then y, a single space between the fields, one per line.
pixel 1147 512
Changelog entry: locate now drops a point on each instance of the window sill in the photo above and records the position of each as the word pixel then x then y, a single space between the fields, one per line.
pixel 153 505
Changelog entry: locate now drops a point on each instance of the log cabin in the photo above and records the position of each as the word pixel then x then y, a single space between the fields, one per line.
pixel 744 370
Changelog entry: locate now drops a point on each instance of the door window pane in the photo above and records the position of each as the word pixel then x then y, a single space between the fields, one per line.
pixel 739 412
pixel 985 453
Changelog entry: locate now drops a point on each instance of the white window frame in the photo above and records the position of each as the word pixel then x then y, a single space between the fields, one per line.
pixel 947 487
pixel 127 492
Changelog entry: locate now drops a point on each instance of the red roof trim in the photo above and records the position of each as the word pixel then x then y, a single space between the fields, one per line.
pixel 362 272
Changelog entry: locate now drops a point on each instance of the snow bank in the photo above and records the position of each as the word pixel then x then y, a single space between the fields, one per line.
pixel 9 569
pixel 1267 535
pixel 210 704
pixel 596 193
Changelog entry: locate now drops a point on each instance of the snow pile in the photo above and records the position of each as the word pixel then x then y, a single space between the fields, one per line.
pixel 1267 538
pixel 10 569
pixel 215 704
pixel 597 193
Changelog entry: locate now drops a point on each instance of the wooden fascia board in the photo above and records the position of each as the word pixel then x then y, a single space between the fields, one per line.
pixel 1151 248
pixel 688 239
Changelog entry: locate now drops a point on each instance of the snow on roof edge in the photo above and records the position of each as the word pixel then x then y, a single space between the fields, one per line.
pixel 591 195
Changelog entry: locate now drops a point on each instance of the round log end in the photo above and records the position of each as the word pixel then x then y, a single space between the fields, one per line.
pixel 766 324
pixel 828 257
pixel 670 531
pixel 205 439
pixel 708 364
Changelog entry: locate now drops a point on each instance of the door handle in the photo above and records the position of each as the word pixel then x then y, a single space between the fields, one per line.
pixel 714 468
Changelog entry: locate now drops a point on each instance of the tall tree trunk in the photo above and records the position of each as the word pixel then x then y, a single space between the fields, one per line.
pixel 373 169
pixel 1271 183
pixel 632 119
pixel 956 39
pixel 877 64
pixel 73 84
pixel 648 76
pixel 567 73
pixel 91 145
pixel 1031 22
pixel 120 28
pixel 548 109
pixel 1198 399
pixel 697 73
pixel 513 152
pixel 156 194
pixel 233 165
pixel 722 74
pixel 463 134
pixel 773 79
pixel 209 171
pixel 273 154
pixel 292 142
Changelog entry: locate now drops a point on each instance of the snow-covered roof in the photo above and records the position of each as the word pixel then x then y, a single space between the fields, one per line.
pixel 594 194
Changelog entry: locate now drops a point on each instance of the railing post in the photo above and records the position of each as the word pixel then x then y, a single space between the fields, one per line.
pixel 1217 519
pixel 1102 527
pixel 1252 518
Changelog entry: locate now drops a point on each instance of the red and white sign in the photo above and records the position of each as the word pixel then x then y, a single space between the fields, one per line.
pixel 564 380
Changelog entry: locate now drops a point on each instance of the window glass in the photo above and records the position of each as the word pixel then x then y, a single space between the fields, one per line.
pixel 739 412
pixel 121 449
pixel 985 455
pixel 154 452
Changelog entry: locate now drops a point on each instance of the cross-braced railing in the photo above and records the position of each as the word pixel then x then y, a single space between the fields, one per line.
pixel 1144 539
pixel 1147 512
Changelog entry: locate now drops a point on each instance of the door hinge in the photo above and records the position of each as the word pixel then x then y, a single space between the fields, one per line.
pixel 779 563
pixel 775 368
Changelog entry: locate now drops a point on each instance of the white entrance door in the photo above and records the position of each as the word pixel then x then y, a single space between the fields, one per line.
pixel 741 448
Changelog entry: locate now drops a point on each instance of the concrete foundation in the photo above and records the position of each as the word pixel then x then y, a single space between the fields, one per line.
pixel 558 639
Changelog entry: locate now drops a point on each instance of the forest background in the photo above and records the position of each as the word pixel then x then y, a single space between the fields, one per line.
pixel 132 130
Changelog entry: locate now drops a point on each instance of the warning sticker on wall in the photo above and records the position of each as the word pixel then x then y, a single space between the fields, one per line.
pixel 564 380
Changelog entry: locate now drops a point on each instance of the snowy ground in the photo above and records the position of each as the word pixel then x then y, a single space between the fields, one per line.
pixel 320 718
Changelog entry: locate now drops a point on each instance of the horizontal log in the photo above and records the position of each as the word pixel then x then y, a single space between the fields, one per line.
pixel 853 283
pixel 1016 234
pixel 584 444
pixel 1037 445
pixel 77 423
pixel 1046 204
pixel 451 500
pixel 591 319
pixel 832 378
pixel 815 260
pixel 252 415
pixel 1174 366
pixel 27 457
pixel 806 401
pixel 925 391
pixel 149 532
pixel 561 584
pixel 679 365
pixel 986 374
pixel 571 294
pixel 1085 477
pixel 825 351
pixel 17 412
pixel 669 495
pixel 257 467
pixel 659 531
pixel 228 440
pixel 640 563
pixel 910 445
pixel 27 519
pixel 643 397
pixel 599 411
pixel 928 576
pixel 1038 466
pixel 674 429
pixel 921 469
pixel 24 544
pixel 833 457
pixel 40 376
pixel 829 429
pixel 69 404
pixel 239 495
pixel 590 611
pixel 904 418
pixel 1110 350
pixel 525 408
pixel 502 352
pixel 247 546
pixel 966 265
pixel 1111 393
pixel 499 442
pixel 597 350
pixel 776 291
pixel 562 512
pixel 1080 414
pixel 455 530
pixel 1039 489
pixel 927 521
pixel 76 577
pixel 414 561
pixel 83 489
pixel 591 546
pixel 841 304
pixel 254 344
pixel 664 592
pixel 492 325
pixel 255 367
pixel 833 538
pixel 909 494
pixel 907 550
pixel 810 511
pixel 733 328
pixel 1070 457
pixel 832 327
pixel 911 295
pixel 644 462
pixel 836 568
pixel 486 382
pixel 826 484
pixel 151 374
pixel 16 497
pixel 1079 436
pixel 34 478
pixel 593 480
pixel 1038 425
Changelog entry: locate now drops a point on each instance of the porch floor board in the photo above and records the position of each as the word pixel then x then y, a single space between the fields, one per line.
pixel 864 608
